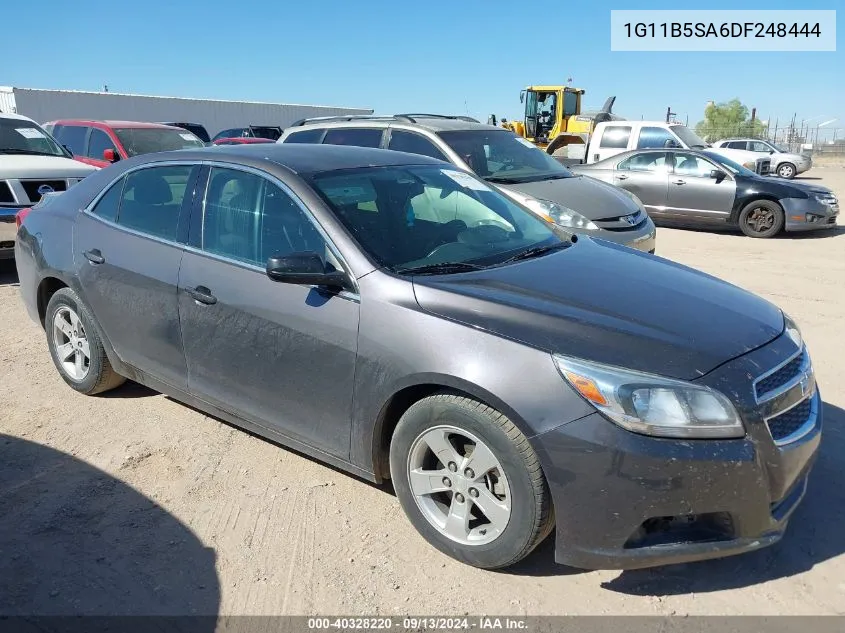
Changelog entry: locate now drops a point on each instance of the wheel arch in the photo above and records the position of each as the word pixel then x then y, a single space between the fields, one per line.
pixel 741 203
pixel 415 389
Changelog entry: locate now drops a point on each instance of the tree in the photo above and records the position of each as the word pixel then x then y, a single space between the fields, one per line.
pixel 728 119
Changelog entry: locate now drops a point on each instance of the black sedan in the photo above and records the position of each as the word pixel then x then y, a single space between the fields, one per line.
pixel 703 188
pixel 400 318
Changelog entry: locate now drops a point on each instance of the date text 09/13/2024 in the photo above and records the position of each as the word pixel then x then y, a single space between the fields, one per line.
pixel 410 623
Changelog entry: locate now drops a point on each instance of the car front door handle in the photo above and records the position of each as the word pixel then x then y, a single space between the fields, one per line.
pixel 621 177
pixel 679 182
pixel 94 256
pixel 202 295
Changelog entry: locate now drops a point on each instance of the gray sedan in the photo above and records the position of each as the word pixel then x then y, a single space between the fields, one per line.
pixel 703 188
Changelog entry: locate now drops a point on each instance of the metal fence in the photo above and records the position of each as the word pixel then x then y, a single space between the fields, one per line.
pixel 800 139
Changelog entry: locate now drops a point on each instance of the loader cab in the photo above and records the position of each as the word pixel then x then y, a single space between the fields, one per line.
pixel 547 109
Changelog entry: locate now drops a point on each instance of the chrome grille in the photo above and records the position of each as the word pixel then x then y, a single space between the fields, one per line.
pixel 773 381
pixel 32 186
pixel 793 423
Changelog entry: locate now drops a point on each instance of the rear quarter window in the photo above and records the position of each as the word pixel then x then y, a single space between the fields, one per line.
pixel 359 137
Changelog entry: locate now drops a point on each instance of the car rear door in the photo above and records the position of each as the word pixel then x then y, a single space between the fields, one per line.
pixel 128 247
pixel 279 355
pixel 646 175
pixel 694 195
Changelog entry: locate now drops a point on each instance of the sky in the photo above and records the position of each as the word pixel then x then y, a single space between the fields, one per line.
pixel 456 57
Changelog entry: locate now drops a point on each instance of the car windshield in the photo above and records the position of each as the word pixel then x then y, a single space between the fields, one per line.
pixel 19 136
pixel 146 140
pixel 690 138
pixel 433 220
pixel 779 147
pixel 502 157
pixel 732 166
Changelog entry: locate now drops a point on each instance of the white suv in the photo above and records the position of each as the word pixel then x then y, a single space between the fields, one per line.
pixel 32 164
pixel 785 164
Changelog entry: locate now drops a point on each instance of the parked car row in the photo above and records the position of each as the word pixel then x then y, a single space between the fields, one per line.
pixel 438 323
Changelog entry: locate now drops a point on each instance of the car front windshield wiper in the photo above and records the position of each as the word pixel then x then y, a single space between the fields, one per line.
pixel 15 150
pixel 536 251
pixel 443 268
pixel 502 180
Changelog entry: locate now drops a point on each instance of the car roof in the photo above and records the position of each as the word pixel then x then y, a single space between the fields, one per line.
pixel 303 159
pixel 430 122
pixel 113 124
pixel 15 117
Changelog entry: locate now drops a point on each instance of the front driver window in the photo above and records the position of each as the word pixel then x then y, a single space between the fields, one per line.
pixel 651 161
pixel 689 165
pixel 250 219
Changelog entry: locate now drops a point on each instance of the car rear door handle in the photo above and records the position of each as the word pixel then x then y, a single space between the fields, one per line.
pixel 202 294
pixel 94 256
pixel 679 182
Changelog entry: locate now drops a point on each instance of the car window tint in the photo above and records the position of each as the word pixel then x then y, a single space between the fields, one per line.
pixel 615 137
pixel 108 205
pixel 651 161
pixel 361 137
pixel 305 136
pixel 250 219
pixel 757 146
pixel 99 142
pixel 689 165
pixel 651 137
pixel 74 137
pixel 414 144
pixel 152 199
pixel 737 145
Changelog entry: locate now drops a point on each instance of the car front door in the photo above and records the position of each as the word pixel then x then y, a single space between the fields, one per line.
pixel 646 175
pixel 694 194
pixel 98 142
pixel 279 355
pixel 127 250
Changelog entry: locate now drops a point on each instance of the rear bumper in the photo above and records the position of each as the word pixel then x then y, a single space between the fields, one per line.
pixel 8 231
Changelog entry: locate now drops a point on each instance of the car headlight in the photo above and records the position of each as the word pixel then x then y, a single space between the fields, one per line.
pixel 792 331
pixel 827 198
pixel 652 405
pixel 559 214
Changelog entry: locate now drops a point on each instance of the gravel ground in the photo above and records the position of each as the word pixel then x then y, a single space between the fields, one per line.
pixel 134 503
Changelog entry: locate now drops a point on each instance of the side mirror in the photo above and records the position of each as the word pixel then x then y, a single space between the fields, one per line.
pixel 717 174
pixel 110 155
pixel 304 269
pixel 771 151
pixel 522 96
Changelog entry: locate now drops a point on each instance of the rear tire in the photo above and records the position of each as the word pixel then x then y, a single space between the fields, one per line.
pixel 761 219
pixel 787 170
pixel 76 347
pixel 469 481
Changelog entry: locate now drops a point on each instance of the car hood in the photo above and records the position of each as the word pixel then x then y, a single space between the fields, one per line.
pixel 591 198
pixel 610 304
pixel 29 166
pixel 785 188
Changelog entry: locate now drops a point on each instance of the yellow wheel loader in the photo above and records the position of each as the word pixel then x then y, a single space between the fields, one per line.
pixel 553 117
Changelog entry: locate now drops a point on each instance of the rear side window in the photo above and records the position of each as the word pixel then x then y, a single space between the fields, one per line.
pixel 108 205
pixel 414 144
pixel 654 137
pixel 360 137
pixel 73 136
pixel 305 136
pixel 615 137
pixel 152 199
pixel 736 145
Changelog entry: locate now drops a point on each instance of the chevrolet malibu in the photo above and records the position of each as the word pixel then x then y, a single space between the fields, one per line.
pixel 397 317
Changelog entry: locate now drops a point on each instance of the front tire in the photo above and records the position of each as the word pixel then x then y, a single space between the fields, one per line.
pixel 761 219
pixel 787 170
pixel 469 481
pixel 76 347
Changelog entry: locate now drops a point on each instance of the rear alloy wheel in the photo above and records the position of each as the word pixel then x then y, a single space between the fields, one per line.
pixel 75 345
pixel 469 481
pixel 761 218
pixel 786 170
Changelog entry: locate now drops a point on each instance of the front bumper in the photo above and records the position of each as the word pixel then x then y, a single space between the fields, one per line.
pixel 642 238
pixel 808 214
pixel 627 501
pixel 8 231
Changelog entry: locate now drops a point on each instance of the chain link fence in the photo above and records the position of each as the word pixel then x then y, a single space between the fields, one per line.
pixel 807 139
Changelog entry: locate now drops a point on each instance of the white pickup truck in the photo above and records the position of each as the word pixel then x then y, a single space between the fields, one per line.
pixel 614 137
pixel 32 164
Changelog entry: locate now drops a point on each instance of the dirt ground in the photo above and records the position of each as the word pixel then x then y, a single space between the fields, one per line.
pixel 134 503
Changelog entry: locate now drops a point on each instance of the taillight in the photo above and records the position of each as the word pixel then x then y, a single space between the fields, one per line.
pixel 21 216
